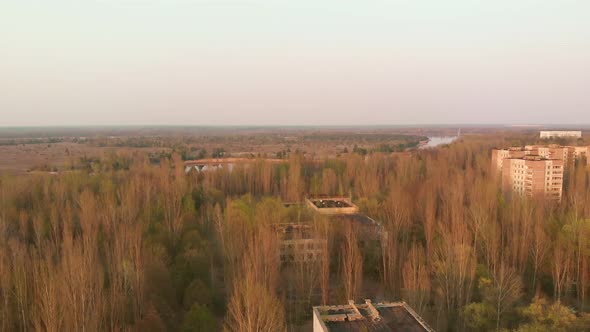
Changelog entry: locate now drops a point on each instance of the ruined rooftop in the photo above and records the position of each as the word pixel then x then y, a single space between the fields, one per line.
pixel 368 316
pixel 332 205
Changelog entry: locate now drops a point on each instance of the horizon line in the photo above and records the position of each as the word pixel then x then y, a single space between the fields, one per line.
pixel 152 125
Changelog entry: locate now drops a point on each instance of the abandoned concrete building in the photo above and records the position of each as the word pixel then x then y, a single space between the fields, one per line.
pixel 368 316
pixel 332 205
pixel 298 243
pixel 560 133
pixel 214 164
pixel 343 212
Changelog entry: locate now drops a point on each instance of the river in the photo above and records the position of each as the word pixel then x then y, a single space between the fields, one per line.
pixel 435 141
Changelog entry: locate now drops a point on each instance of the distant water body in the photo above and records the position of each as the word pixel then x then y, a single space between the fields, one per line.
pixel 435 141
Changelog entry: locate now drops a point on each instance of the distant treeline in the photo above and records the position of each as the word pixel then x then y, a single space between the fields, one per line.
pixel 253 139
pixel 364 137
pixel 124 244
pixel 8 142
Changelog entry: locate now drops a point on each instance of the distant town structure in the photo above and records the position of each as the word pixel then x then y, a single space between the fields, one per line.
pixel 213 164
pixel 567 154
pixel 533 176
pixel 368 316
pixel 537 170
pixel 560 133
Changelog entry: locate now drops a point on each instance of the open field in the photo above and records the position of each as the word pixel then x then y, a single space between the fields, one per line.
pixel 47 149
pixel 55 156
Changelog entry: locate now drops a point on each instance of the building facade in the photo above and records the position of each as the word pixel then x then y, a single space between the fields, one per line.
pixel 499 155
pixel 568 154
pixel 577 152
pixel 342 212
pixel 560 133
pixel 298 243
pixel 533 176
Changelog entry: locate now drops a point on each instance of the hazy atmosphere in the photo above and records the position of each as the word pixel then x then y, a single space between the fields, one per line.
pixel 294 165
pixel 261 62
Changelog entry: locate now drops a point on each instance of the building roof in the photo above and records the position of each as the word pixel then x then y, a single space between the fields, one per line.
pixel 219 161
pixel 368 316
pixel 332 205
pixel 359 218
pixel 330 202
pixel 534 157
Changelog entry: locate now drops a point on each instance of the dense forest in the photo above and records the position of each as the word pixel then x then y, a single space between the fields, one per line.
pixel 128 245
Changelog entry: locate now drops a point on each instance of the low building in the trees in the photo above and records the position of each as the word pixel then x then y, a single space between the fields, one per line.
pixel 207 167
pixel 368 316
pixel 343 212
pixel 332 205
pixel 367 229
pixel 213 164
pixel 298 243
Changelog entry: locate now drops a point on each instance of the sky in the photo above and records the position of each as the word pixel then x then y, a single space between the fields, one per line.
pixel 294 62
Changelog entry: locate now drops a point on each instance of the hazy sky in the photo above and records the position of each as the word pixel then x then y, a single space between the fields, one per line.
pixel 264 62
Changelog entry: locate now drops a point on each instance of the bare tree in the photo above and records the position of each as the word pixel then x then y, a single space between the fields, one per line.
pixel 352 263
pixel 324 231
pixel 561 265
pixel 505 291
pixel 173 191
pixel 539 249
pixel 21 283
pixel 253 308
pixel 416 279
pixel 253 305
pixel 49 306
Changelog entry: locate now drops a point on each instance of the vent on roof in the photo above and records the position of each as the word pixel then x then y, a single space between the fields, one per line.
pixel 356 314
pixel 335 318
pixel 373 312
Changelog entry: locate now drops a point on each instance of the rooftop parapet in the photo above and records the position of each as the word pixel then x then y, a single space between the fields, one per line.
pixel 368 316
pixel 332 205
